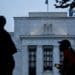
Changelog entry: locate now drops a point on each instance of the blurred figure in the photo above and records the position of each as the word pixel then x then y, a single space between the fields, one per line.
pixel 68 66
pixel 7 49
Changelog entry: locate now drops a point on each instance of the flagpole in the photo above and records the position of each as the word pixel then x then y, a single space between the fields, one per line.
pixel 47 7
pixel 47 3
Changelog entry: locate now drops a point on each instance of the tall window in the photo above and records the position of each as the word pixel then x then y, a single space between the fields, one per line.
pixel 61 57
pixel 32 60
pixel 48 28
pixel 48 55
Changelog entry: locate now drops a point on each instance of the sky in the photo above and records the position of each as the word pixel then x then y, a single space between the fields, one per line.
pixel 21 8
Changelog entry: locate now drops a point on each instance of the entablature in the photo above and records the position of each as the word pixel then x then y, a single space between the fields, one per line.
pixel 47 36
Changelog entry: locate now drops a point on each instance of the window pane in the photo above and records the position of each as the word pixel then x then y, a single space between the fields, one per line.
pixel 32 60
pixel 61 57
pixel 47 54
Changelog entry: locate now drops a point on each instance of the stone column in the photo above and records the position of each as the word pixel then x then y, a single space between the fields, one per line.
pixel 25 60
pixel 39 60
pixel 56 59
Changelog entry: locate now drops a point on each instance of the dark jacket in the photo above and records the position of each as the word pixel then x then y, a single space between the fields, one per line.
pixel 7 49
pixel 68 67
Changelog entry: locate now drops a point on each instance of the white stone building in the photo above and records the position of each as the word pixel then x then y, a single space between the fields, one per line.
pixel 36 38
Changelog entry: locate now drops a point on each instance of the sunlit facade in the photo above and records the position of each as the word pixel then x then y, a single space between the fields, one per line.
pixel 36 38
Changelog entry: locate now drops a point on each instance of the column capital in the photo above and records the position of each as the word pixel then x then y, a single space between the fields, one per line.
pixel 39 45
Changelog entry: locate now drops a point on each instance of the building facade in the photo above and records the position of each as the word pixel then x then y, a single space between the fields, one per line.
pixel 36 38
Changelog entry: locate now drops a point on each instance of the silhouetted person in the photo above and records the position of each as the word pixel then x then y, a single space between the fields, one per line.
pixel 7 49
pixel 68 66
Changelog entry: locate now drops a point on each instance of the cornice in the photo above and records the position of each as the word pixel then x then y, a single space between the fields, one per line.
pixel 36 18
pixel 47 36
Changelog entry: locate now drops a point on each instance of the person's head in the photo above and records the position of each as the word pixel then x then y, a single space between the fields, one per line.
pixel 64 44
pixel 2 21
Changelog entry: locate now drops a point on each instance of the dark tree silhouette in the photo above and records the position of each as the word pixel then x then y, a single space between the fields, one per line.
pixel 63 1
pixel 65 4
